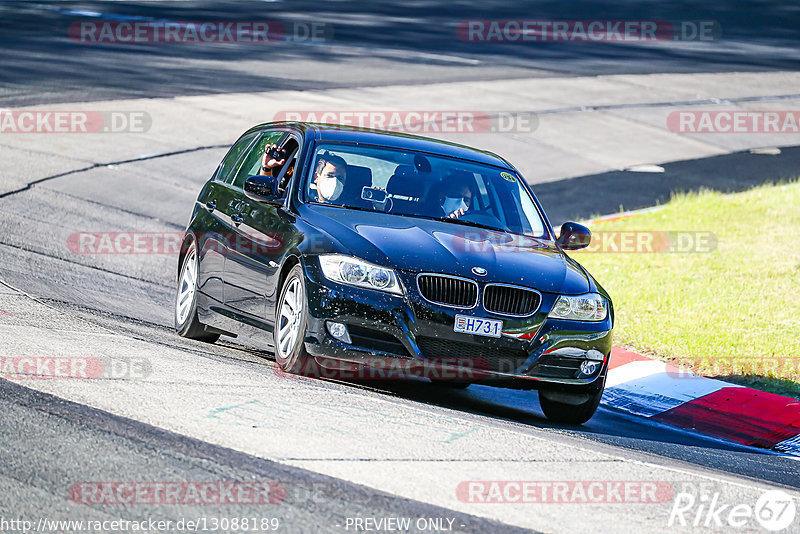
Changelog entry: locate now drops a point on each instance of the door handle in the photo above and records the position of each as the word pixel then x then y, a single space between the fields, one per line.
pixel 237 219
pixel 211 205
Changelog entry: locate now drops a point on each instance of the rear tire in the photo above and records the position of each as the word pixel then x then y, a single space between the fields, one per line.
pixel 558 410
pixel 291 318
pixel 186 321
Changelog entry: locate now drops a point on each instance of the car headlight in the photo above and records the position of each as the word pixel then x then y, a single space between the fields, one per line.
pixel 588 307
pixel 356 272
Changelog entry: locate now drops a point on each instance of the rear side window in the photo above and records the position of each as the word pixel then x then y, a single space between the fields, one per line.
pixel 225 169
pixel 252 162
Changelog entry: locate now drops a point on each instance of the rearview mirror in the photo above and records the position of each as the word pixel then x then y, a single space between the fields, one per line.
pixel 262 189
pixel 574 236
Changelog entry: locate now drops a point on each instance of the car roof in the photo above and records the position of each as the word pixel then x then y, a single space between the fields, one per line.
pixel 403 141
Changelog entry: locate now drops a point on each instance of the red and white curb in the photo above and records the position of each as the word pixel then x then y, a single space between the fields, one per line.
pixel 662 392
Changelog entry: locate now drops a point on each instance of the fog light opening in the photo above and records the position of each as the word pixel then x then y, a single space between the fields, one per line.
pixel 589 367
pixel 339 331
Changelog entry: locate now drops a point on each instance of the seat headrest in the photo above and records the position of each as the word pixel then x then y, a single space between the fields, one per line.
pixel 405 181
pixel 360 176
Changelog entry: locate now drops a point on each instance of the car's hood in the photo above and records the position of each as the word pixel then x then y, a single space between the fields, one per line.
pixel 422 245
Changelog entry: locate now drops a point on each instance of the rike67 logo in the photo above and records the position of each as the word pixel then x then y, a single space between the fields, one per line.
pixel 698 506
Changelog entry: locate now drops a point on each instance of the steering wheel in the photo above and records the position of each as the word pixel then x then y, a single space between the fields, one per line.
pixel 482 217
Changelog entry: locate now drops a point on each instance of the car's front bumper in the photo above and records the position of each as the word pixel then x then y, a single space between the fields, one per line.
pixel 406 336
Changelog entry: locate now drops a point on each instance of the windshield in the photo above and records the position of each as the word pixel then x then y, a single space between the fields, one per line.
pixel 421 185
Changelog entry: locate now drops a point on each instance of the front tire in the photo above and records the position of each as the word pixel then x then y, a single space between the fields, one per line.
pixel 186 322
pixel 568 409
pixel 291 317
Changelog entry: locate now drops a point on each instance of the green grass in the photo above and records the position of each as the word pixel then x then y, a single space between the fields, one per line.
pixel 733 313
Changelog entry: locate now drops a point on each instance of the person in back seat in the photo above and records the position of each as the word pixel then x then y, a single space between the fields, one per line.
pixel 274 158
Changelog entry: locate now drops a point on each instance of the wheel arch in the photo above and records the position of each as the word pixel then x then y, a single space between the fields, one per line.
pixel 188 238
pixel 288 264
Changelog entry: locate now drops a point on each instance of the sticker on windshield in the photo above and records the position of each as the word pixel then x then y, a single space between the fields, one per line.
pixel 508 176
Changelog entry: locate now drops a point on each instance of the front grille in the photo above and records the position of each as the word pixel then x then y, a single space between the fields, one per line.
pixel 472 356
pixel 510 300
pixel 448 290
pixel 557 367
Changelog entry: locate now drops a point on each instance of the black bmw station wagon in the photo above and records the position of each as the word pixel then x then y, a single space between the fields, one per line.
pixel 340 245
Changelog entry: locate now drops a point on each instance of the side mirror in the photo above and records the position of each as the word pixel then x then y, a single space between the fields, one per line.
pixel 574 236
pixel 262 189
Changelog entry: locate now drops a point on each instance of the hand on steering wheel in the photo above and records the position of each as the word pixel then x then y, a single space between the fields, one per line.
pixel 456 214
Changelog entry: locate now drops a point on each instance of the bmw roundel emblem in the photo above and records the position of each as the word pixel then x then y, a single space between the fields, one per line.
pixel 480 271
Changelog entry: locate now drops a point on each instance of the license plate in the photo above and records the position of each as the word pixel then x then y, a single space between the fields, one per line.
pixel 478 326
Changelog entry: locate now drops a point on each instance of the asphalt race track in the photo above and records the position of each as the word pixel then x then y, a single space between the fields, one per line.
pixel 178 410
pixel 374 43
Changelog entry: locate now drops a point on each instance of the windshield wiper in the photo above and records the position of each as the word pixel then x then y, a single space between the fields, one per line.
pixel 470 223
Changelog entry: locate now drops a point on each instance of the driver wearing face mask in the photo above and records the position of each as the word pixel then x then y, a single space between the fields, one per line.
pixel 456 199
pixel 330 176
